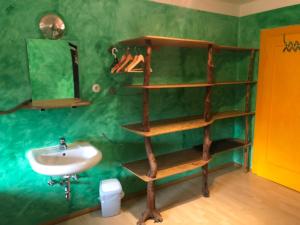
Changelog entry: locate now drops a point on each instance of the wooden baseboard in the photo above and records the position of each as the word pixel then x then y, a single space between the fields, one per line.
pixel 138 194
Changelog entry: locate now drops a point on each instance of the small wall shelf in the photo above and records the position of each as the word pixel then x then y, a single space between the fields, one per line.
pixel 57 103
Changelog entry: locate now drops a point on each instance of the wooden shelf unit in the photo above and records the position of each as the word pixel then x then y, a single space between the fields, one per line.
pixel 154 168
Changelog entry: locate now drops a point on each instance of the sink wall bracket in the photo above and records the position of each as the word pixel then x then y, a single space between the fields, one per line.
pixel 64 181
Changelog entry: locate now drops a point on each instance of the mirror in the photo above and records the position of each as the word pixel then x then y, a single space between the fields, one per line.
pixel 53 69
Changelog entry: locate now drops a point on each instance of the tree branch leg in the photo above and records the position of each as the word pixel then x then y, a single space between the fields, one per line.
pixel 151 212
pixel 205 190
pixel 151 158
pixel 246 159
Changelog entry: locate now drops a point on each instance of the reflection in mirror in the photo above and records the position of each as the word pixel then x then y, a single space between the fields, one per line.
pixel 53 69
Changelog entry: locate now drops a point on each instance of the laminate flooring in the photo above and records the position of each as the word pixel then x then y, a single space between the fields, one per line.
pixel 235 198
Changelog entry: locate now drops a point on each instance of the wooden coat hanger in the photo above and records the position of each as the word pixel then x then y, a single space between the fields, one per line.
pixel 131 67
pixel 122 60
pixel 128 59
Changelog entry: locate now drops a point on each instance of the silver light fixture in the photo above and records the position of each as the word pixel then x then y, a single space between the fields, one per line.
pixel 52 26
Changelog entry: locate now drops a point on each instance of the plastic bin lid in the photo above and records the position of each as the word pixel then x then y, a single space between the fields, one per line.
pixel 110 186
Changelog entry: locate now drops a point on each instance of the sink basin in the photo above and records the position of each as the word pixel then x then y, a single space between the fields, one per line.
pixel 52 161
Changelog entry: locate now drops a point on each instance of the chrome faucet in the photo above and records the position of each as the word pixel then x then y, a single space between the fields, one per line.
pixel 62 144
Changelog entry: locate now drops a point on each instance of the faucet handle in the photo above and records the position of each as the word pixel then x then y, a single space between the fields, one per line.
pixel 62 144
pixel 62 140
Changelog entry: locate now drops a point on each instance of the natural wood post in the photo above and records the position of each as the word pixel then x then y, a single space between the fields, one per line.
pixel 207 117
pixel 247 109
pixel 151 212
pixel 147 74
pixel 151 158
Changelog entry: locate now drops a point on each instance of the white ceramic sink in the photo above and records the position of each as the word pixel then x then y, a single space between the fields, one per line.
pixel 52 161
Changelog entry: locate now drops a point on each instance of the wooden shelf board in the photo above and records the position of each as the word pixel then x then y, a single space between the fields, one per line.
pixel 228 115
pixel 157 41
pixel 181 161
pixel 233 83
pixel 189 85
pixel 166 126
pixel 224 145
pixel 159 86
pixel 233 48
pixel 56 103
pixel 168 164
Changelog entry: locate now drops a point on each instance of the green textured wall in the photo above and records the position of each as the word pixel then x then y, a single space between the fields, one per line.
pixel 249 35
pixel 25 197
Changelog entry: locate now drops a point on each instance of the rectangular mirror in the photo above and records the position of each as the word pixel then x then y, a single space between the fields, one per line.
pixel 53 69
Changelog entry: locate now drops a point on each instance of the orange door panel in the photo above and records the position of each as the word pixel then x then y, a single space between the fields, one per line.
pixel 277 125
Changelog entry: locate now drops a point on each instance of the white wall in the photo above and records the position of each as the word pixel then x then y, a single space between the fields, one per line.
pixel 264 5
pixel 231 7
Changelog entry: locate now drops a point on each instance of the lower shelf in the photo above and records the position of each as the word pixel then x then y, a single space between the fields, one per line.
pixel 168 164
pixel 181 161
pixel 224 145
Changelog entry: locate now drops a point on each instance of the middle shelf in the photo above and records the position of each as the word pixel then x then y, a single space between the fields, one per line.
pixel 181 161
pixel 166 126
pixel 188 85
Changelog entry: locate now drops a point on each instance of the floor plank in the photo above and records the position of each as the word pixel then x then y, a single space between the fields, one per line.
pixel 236 199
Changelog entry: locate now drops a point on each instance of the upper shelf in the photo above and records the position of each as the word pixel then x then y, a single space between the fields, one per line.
pixel 56 103
pixel 166 126
pixel 233 48
pixel 189 85
pixel 158 41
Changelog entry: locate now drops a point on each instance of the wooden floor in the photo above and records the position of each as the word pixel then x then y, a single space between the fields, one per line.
pixel 236 198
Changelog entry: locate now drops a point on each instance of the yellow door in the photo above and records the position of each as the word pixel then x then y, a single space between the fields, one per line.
pixel 277 123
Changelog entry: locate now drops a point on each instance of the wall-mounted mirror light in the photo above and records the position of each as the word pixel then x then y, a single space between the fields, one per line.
pixel 52 26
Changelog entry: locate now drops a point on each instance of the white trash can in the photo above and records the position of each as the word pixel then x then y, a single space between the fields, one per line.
pixel 110 197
